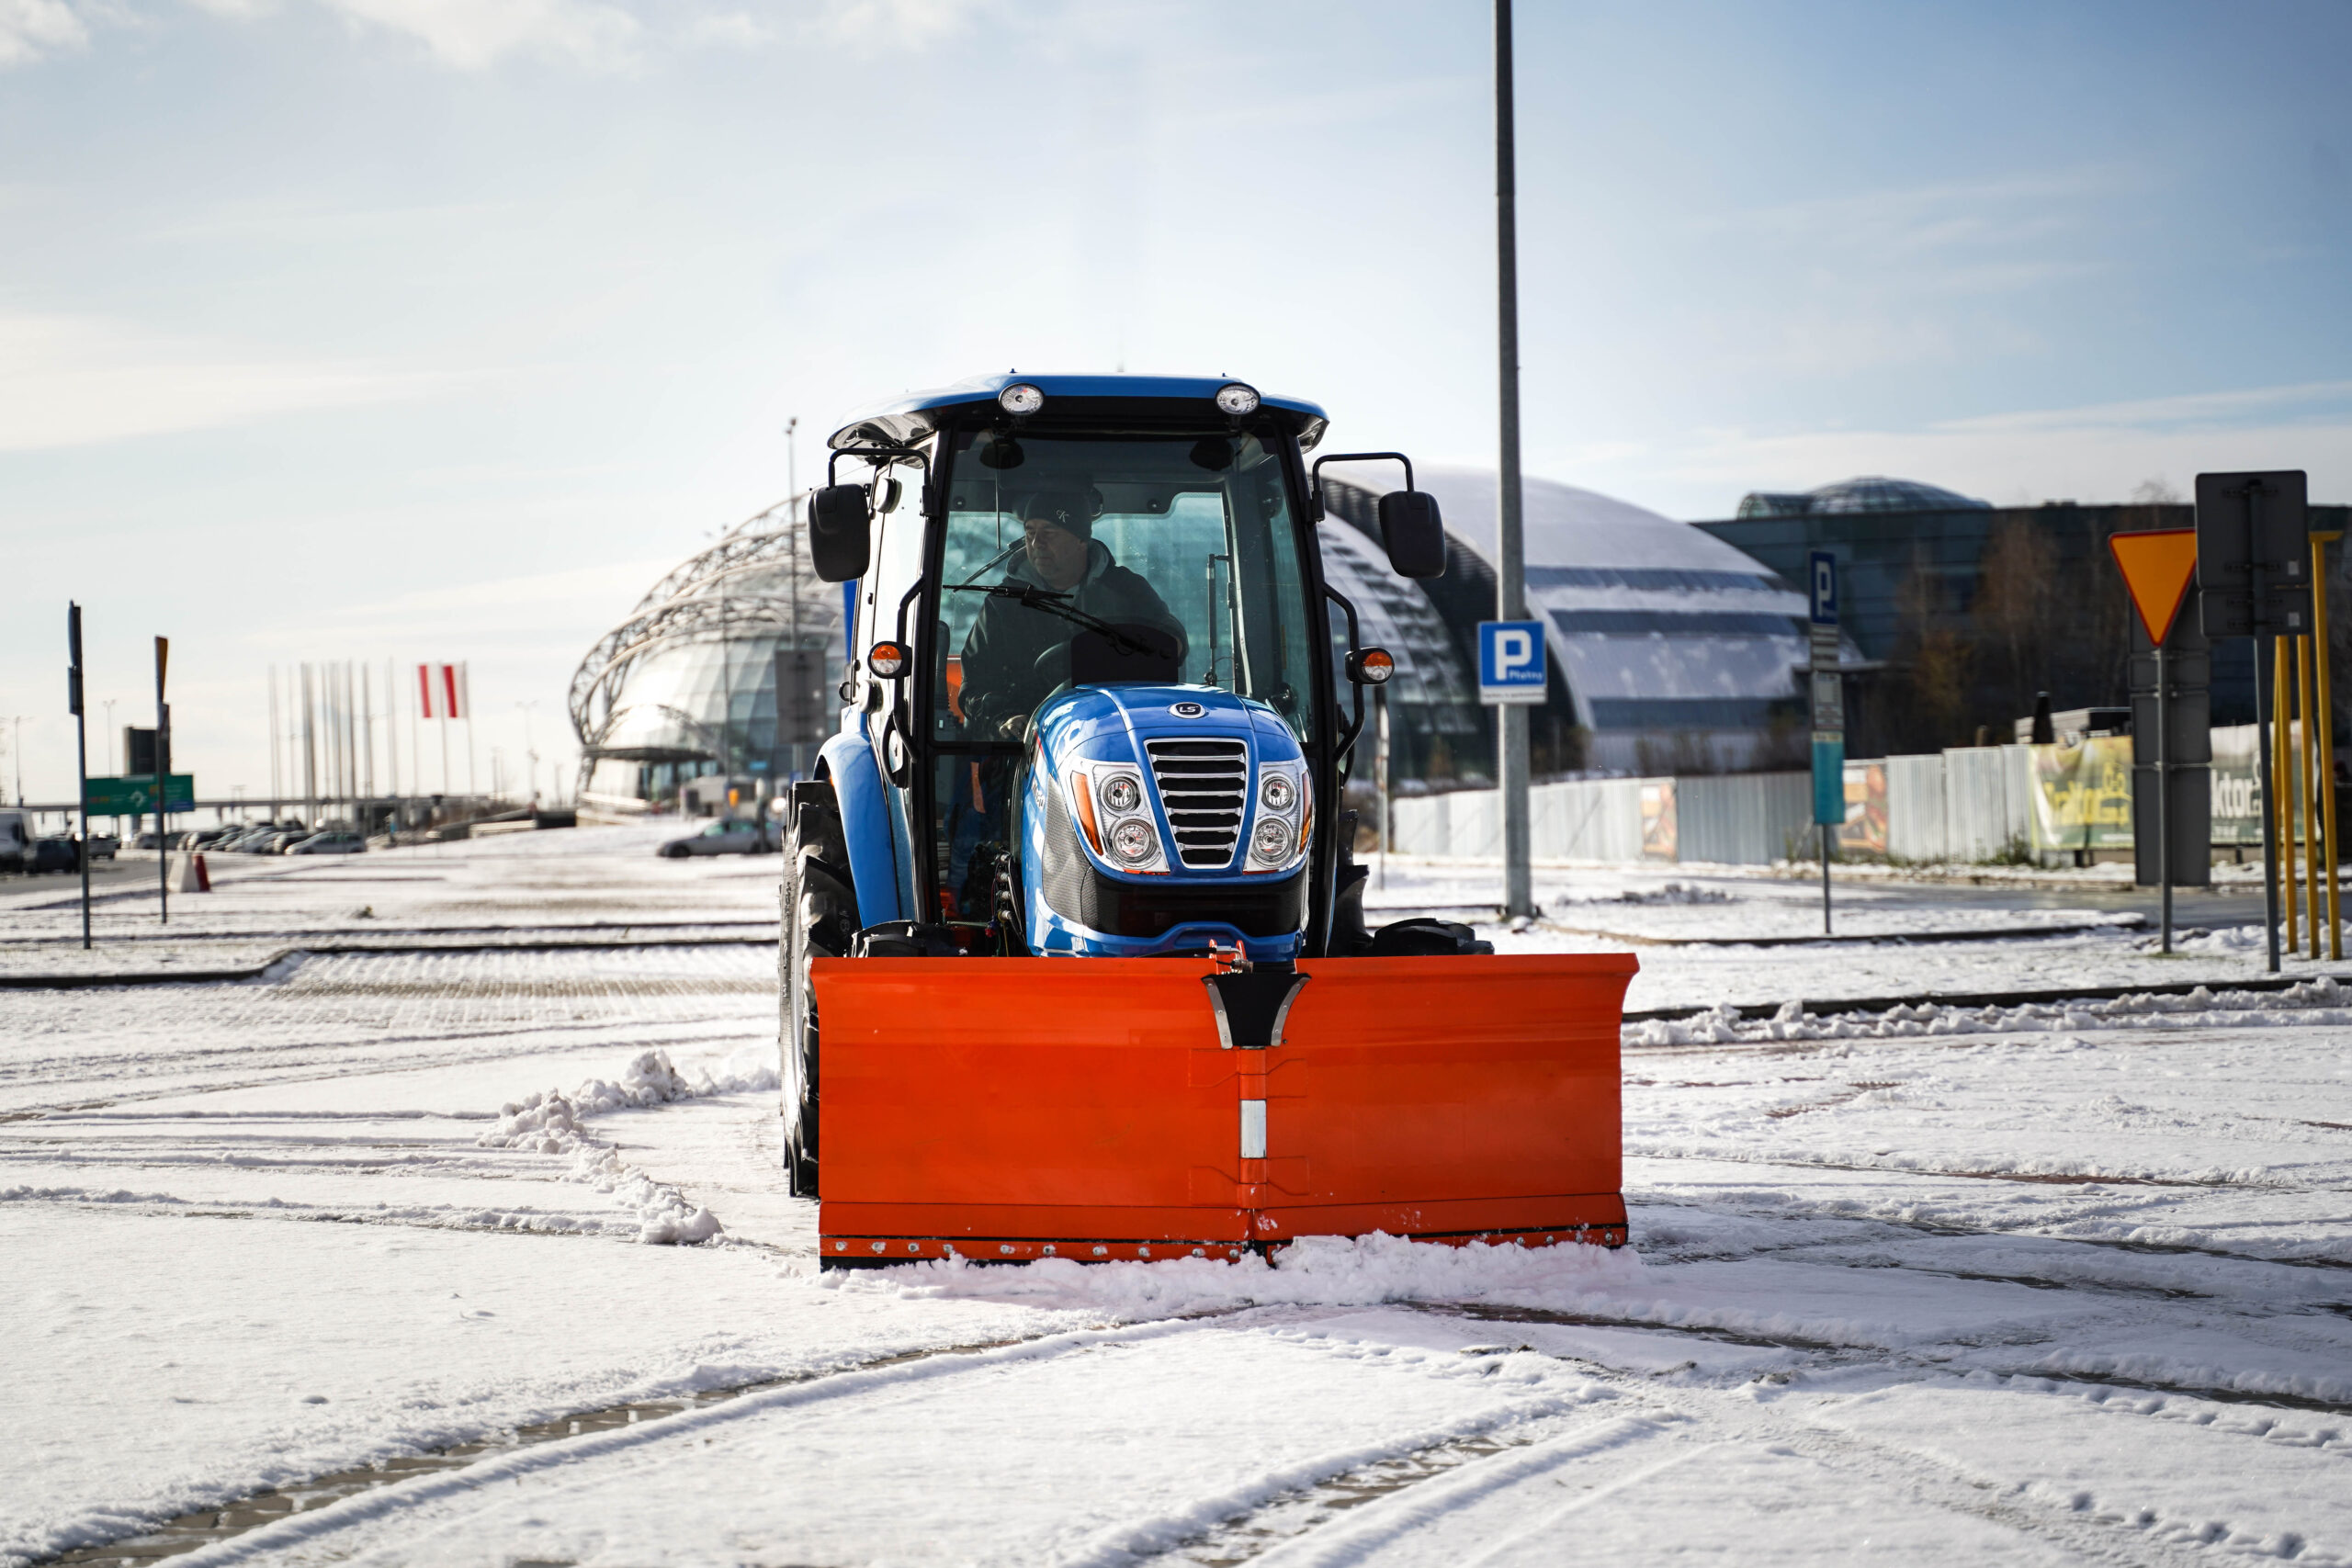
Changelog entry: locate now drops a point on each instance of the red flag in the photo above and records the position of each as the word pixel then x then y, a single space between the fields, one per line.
pixel 425 692
pixel 450 684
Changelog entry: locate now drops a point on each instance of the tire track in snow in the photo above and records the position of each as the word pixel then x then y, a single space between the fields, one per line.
pixel 1704 1421
pixel 390 1498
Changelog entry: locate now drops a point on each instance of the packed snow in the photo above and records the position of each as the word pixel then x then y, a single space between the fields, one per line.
pixel 2039 1283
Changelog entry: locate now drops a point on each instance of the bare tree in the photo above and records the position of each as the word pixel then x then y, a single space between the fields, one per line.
pixel 2017 605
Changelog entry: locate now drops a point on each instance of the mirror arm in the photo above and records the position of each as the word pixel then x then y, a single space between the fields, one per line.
pixel 880 458
pixel 1315 475
pixel 1356 646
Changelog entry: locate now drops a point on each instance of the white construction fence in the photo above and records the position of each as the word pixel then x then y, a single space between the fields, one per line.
pixel 1970 804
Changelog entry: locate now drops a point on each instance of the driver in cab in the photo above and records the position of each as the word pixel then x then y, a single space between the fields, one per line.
pixel 1018 653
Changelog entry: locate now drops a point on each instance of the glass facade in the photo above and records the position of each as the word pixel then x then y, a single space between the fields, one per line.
pixel 1668 648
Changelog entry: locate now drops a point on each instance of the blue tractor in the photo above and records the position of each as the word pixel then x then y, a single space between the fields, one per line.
pixel 1102 699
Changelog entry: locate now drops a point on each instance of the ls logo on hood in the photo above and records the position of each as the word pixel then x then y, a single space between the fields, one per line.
pixel 1187 710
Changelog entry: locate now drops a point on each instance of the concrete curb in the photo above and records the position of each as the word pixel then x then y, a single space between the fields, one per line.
pixel 1831 1008
pixel 1899 939
pixel 254 971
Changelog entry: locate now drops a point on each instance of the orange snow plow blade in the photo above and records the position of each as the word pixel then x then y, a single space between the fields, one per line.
pixel 1109 1108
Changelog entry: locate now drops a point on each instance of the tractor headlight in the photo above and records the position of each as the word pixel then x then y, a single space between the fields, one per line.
pixel 1134 841
pixel 1277 793
pixel 1236 400
pixel 1021 398
pixel 1272 840
pixel 1122 794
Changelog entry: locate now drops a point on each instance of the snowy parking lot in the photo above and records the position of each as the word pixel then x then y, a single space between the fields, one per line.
pixel 456 1234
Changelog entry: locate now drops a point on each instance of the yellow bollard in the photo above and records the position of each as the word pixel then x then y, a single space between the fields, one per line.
pixel 2282 783
pixel 2321 690
pixel 2306 755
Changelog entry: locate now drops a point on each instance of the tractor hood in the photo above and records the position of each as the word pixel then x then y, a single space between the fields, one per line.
pixel 1218 779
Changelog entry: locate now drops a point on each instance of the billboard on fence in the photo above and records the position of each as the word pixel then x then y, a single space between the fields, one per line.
pixel 2237 785
pixel 1658 836
pixel 1864 831
pixel 2082 794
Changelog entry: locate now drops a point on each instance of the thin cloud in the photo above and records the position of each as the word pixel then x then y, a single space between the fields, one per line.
pixel 76 380
pixel 472 35
pixel 31 29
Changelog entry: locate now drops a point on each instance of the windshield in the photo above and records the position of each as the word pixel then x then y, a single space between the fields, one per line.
pixel 1169 559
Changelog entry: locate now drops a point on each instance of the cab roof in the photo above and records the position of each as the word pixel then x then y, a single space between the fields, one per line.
pixel 1148 399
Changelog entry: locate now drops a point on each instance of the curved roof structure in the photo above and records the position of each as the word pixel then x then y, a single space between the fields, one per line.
pixel 1870 493
pixel 1660 629
pixel 689 676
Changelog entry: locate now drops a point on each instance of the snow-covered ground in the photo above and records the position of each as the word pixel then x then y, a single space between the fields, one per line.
pixel 2052 1284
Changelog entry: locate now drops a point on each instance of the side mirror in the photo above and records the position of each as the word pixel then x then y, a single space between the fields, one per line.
pixel 841 531
pixel 1410 527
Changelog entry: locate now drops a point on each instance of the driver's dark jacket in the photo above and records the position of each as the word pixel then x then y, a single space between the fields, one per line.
pixel 1001 679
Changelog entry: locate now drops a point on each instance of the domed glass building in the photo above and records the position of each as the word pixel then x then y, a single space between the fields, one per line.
pixel 1872 492
pixel 726 667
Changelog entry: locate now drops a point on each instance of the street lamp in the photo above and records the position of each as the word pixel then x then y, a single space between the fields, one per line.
pixel 530 752
pixel 17 745
pixel 108 705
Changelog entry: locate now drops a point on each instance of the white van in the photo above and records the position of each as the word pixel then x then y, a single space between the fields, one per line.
pixel 16 839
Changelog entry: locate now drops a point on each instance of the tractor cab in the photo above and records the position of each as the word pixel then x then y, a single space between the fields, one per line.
pixel 1101 598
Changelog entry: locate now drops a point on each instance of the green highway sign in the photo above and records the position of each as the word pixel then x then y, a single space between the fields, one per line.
pixel 135 795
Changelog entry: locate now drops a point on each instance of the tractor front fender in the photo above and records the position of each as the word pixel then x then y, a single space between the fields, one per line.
pixel 870 827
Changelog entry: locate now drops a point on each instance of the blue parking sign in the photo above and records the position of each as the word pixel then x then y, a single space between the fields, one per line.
pixel 1512 661
pixel 1822 575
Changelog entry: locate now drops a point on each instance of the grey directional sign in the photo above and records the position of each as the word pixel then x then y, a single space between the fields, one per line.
pixel 2254 553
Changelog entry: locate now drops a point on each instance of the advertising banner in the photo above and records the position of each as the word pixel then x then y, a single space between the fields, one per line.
pixel 2237 785
pixel 2082 794
pixel 1864 831
pixel 1658 837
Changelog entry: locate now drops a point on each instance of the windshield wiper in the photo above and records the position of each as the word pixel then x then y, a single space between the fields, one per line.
pixel 1055 604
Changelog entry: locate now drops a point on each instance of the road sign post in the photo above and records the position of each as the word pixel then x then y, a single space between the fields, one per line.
pixel 163 792
pixel 2158 566
pixel 81 752
pixel 1828 713
pixel 2254 566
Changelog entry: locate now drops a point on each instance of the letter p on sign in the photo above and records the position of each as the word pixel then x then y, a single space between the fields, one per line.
pixel 1512 666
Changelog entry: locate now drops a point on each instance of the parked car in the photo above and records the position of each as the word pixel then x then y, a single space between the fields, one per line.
pixel 250 839
pixel 728 836
pixel 102 846
pixel 335 842
pixel 54 852
pixel 15 840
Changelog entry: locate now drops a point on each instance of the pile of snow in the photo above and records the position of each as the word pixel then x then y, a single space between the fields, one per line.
pixel 549 1123
pixel 2231 940
pixel 2319 1002
pixel 1672 893
pixel 1315 1270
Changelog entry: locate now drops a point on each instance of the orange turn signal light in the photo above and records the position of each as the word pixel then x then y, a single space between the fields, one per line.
pixel 887 659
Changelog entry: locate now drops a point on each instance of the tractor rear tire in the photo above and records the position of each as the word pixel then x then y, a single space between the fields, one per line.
pixel 820 917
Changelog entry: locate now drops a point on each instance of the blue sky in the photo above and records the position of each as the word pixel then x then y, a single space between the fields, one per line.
pixel 411 329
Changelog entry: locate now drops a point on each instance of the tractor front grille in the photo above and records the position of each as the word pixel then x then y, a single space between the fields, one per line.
pixel 1204 784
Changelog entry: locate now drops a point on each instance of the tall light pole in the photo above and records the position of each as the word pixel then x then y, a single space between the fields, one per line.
pixel 530 752
pixel 108 705
pixel 1510 552
pixel 16 748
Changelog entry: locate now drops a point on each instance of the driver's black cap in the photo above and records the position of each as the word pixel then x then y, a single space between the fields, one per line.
pixel 1070 510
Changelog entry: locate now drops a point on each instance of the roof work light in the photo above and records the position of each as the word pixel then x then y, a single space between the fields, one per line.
pixel 1021 398
pixel 1236 400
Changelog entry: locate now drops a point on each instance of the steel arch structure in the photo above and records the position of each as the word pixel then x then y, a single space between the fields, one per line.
pixel 704 599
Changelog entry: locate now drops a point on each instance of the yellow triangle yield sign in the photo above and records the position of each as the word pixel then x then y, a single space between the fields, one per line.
pixel 2157 566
